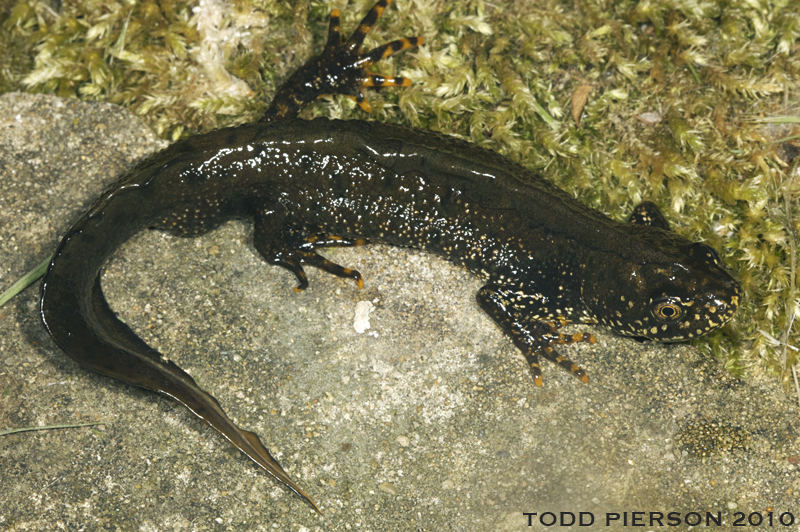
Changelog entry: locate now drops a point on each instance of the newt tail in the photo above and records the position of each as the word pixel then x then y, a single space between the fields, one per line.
pixel 80 321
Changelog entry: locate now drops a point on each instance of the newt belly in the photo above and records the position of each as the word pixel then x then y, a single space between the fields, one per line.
pixel 544 258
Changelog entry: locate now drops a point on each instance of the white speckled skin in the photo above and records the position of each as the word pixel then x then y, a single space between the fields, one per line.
pixel 546 258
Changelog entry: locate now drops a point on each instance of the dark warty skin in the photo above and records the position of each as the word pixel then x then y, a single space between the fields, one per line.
pixel 545 258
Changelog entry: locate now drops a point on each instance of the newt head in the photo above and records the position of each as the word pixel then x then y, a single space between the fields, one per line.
pixel 681 292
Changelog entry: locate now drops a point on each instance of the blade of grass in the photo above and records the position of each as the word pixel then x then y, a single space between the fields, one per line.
pixel 779 120
pixel 694 73
pixel 24 282
pixel 50 427
pixel 785 139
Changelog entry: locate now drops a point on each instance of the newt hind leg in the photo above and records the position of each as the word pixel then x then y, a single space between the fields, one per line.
pixel 281 243
pixel 339 69
pixel 532 336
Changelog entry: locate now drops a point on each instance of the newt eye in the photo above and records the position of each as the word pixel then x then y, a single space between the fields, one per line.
pixel 666 309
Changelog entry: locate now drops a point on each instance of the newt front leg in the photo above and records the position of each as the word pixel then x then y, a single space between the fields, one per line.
pixel 518 315
pixel 340 69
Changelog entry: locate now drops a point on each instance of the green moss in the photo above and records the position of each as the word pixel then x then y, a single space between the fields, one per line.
pixel 680 91
pixel 16 48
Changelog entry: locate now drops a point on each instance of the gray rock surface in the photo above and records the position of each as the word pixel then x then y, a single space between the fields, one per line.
pixel 426 421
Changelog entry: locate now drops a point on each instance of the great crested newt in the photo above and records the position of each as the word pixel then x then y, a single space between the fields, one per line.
pixel 545 258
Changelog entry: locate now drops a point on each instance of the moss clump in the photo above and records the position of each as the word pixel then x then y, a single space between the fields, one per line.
pixel 683 109
pixel 169 61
